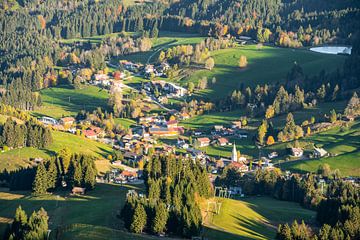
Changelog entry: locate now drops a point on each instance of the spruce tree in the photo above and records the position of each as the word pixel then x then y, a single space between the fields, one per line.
pixel 139 219
pixel 160 219
pixel 52 174
pixel 89 177
pixel 40 184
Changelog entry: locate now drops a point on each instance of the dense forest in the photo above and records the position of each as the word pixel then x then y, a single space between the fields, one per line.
pixel 30 32
pixel 174 187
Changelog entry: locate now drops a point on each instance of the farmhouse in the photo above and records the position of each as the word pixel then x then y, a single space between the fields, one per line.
pixel 222 141
pixel 78 190
pixel 202 142
pixel 90 134
pixel 296 152
pixel 320 152
pixel 67 121
pixel 48 121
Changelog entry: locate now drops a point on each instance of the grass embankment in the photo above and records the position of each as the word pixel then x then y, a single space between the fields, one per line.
pixel 66 101
pixel 96 212
pixel 268 65
pixel 252 218
pixel 17 158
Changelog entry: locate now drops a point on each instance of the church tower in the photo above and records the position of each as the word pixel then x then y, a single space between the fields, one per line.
pixel 234 156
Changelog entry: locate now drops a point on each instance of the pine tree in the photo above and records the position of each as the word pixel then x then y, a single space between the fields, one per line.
pixel 139 219
pixel 38 225
pixel 40 184
pixel 52 174
pixel 89 177
pixel 65 157
pixel 19 224
pixel 160 219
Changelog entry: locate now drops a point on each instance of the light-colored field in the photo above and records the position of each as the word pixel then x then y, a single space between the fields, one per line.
pixel 266 66
pixel 66 101
pixel 252 218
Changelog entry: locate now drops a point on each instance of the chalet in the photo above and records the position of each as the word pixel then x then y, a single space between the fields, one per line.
pixel 163 131
pixel 195 153
pixel 67 121
pixel 184 116
pixel 101 79
pixel 78 190
pixel 172 124
pixel 239 166
pixel 236 124
pixel 273 155
pixel 128 175
pixel 296 152
pixel 320 152
pixel 218 128
pixel 222 141
pixel 48 121
pixel 90 134
pixel 97 130
pixel 202 142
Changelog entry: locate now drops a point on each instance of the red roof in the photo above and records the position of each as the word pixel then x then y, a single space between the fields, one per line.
pixel 205 139
pixel 89 133
pixel 172 122
pixel 126 173
pixel 223 140
pixel 95 129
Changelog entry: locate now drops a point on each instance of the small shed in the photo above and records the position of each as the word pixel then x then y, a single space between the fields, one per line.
pixel 78 190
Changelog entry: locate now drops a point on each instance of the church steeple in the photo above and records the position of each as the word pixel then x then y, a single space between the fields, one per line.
pixel 234 156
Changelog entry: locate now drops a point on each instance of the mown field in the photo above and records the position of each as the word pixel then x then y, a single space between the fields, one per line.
pixel 164 41
pixel 342 142
pixel 96 212
pixel 66 101
pixel 95 215
pixel 19 157
pixel 268 65
pixel 252 218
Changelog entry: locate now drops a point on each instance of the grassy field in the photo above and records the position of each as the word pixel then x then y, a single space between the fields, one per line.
pixel 94 216
pixel 125 122
pixel 19 157
pixel 252 218
pixel 66 101
pixel 344 143
pixel 97 210
pixel 268 65
pixel 164 41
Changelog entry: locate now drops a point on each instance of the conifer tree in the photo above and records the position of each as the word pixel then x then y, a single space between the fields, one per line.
pixel 139 219
pixel 160 219
pixel 52 174
pixel 40 184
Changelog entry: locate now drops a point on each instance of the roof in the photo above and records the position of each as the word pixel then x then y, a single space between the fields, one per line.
pixel 223 140
pixel 296 150
pixel 172 122
pixel 67 119
pixel 320 150
pixel 126 173
pixel 89 133
pixel 204 139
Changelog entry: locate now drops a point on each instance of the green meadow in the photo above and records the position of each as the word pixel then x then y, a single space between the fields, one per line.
pixel 252 218
pixel 268 65
pixel 343 143
pixel 69 215
pixel 66 101
pixel 17 158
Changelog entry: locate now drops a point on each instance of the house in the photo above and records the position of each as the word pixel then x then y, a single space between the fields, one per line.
pixel 130 156
pixel 195 153
pixel 236 124
pixel 128 175
pixel 78 190
pixel 320 152
pixel 172 124
pixel 184 116
pixel 273 155
pixel 163 131
pixel 222 141
pixel 67 121
pixel 218 128
pixel 90 134
pixel 296 152
pixel 239 166
pixel 202 142
pixel 97 130
pixel 48 121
